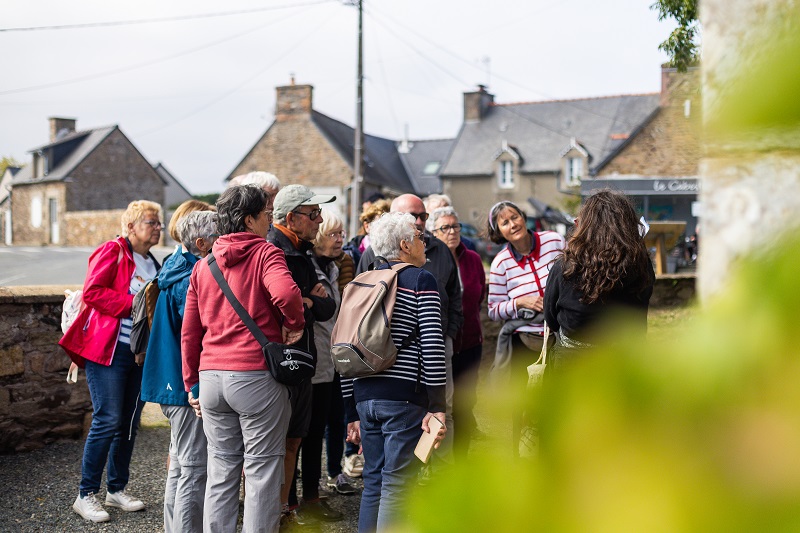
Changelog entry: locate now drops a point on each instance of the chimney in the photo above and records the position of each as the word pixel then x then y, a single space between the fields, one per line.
pixel 59 125
pixel 476 103
pixel 293 101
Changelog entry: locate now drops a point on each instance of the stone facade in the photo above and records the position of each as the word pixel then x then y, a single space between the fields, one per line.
pixel 93 228
pixel 464 190
pixel 37 405
pixel 293 148
pixel 109 178
pixel 31 222
pixel 668 145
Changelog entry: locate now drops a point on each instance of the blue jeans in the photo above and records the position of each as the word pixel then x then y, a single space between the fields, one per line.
pixel 115 420
pixel 390 430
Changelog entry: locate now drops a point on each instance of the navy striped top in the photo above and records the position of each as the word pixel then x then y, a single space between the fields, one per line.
pixel 417 304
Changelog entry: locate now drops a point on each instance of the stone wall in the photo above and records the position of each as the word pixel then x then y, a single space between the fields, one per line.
pixel 37 405
pixel 92 228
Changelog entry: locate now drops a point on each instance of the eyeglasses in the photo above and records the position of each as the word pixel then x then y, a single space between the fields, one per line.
pixel 342 234
pixel 447 228
pixel 422 216
pixel 312 215
pixel 268 212
pixel 420 236
pixel 213 236
pixel 153 223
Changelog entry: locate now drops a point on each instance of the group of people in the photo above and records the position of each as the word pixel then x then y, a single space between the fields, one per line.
pixel 287 261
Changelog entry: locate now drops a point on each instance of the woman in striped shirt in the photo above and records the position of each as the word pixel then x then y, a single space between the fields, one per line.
pixel 517 282
pixel 388 411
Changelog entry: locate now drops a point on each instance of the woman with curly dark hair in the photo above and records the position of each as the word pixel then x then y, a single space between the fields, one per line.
pixel 605 269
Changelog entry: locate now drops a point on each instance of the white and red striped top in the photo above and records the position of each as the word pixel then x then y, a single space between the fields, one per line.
pixel 513 276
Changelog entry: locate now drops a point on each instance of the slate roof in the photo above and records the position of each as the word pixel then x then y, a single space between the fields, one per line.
pixel 539 131
pixel 66 153
pixel 382 162
pixel 419 155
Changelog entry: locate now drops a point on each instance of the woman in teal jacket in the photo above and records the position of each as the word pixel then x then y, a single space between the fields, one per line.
pixel 162 380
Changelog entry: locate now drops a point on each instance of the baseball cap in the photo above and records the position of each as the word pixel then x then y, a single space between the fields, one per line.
pixel 292 196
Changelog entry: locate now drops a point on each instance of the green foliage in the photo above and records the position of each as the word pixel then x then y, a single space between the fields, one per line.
pixel 697 430
pixel 6 162
pixel 681 46
pixel 210 198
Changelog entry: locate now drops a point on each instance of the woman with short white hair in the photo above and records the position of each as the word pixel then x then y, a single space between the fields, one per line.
pixel 388 411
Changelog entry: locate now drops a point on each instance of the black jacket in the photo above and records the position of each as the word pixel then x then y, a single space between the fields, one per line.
pixel 305 275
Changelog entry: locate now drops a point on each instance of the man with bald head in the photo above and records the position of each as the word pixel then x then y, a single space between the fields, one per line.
pixel 441 264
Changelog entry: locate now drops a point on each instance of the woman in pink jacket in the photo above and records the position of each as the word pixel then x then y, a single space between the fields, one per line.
pixel 99 341
pixel 245 411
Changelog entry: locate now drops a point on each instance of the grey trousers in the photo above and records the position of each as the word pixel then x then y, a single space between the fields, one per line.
pixel 186 478
pixel 245 418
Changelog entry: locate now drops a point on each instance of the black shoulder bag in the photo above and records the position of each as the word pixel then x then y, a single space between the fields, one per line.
pixel 287 364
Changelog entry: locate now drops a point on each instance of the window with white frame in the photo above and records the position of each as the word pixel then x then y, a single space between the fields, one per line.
pixel 574 171
pixel 505 174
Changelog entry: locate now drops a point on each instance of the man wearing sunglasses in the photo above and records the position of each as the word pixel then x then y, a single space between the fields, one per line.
pixel 441 264
pixel 296 219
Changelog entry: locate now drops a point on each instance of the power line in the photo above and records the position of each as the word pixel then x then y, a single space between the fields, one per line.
pixel 143 64
pixel 237 87
pixel 162 19
pixel 494 74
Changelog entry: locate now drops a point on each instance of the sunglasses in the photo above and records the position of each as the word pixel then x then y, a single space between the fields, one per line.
pixel 422 216
pixel 312 215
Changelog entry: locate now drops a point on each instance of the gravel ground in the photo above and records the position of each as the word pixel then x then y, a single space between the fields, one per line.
pixel 37 489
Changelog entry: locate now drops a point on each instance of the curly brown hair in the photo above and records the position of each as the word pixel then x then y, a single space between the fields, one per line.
pixel 606 249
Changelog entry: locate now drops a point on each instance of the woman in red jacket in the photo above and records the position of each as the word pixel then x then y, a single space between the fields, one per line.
pixel 99 340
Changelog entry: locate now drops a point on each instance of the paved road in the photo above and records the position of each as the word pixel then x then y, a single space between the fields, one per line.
pixel 49 265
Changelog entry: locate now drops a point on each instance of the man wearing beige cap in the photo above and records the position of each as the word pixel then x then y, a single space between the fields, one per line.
pixel 296 219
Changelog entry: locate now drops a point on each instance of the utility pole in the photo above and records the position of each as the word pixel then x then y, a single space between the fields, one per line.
pixel 358 153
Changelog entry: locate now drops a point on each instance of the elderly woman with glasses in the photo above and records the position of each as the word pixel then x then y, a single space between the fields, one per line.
pixel 388 411
pixel 186 478
pixel 245 411
pixel 99 340
pixel 468 344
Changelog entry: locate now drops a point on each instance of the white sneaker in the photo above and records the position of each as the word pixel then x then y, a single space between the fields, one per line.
pixel 123 501
pixel 90 509
pixel 353 465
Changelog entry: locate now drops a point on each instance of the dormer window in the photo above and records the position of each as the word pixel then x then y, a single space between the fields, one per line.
pixel 574 171
pixel 505 175
pixel 575 159
pixel 507 162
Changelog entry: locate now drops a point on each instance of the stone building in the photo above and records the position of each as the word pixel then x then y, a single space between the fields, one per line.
pixel 74 188
pixel 541 150
pixel 658 164
pixel 305 146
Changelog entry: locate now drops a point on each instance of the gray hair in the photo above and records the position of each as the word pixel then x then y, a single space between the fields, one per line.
pixel 197 225
pixel 448 211
pixel 265 180
pixel 388 231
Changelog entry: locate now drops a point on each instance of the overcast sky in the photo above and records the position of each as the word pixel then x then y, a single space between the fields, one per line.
pixel 197 93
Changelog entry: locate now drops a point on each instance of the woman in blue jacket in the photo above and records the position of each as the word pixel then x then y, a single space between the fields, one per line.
pixel 162 380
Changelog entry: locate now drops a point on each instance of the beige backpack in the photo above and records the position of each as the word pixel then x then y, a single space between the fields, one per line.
pixel 361 342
